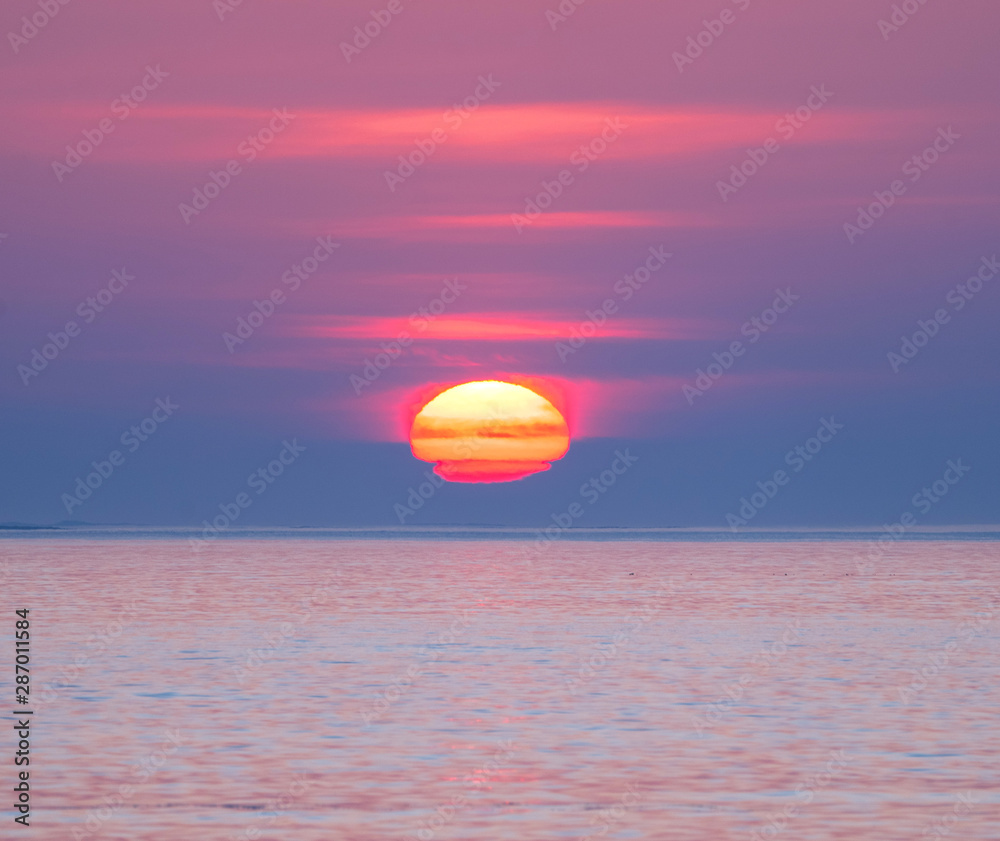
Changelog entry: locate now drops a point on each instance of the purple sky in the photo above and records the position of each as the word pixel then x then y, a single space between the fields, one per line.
pixel 637 142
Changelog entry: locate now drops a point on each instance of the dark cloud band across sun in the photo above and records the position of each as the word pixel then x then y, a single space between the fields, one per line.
pixel 489 431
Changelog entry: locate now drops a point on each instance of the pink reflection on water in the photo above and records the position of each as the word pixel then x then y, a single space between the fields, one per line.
pixel 230 689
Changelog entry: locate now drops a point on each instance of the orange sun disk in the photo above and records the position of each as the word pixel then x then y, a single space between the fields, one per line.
pixel 489 431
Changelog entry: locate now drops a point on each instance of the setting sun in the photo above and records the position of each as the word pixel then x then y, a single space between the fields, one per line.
pixel 489 431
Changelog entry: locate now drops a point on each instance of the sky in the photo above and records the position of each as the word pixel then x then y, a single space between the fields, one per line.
pixel 713 232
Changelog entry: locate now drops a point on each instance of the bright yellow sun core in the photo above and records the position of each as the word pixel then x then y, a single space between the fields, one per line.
pixel 489 431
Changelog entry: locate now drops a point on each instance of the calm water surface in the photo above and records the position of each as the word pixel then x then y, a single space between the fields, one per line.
pixel 334 689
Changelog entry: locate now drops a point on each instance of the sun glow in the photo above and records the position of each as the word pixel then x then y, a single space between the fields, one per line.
pixel 489 431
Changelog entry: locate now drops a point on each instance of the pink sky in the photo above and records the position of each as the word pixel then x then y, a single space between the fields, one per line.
pixel 546 163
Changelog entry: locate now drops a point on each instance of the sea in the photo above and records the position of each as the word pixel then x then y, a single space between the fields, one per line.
pixel 317 685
